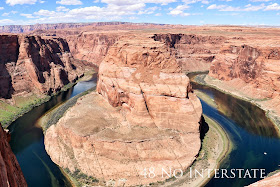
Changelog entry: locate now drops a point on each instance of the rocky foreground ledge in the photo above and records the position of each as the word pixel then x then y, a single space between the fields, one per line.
pixel 272 181
pixel 144 115
pixel 10 171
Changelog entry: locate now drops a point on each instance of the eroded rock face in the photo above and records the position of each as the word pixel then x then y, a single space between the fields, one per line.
pixel 145 79
pixel 91 47
pixel 34 64
pixel 144 116
pixel 257 67
pixel 193 52
pixel 10 172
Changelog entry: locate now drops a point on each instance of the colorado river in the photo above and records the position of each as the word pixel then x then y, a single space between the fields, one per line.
pixel 28 142
pixel 256 140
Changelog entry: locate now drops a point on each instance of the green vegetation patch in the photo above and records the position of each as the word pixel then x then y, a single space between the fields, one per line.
pixel 9 112
pixel 80 179
pixel 22 104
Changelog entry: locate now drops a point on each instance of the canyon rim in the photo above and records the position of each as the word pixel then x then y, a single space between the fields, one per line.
pixel 116 103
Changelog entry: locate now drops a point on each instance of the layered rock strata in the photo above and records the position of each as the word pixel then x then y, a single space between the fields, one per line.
pixel 32 64
pixel 193 52
pixel 91 48
pixel 253 71
pixel 10 172
pixel 144 117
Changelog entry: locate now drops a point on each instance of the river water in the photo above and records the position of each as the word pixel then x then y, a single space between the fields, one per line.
pixel 28 142
pixel 256 139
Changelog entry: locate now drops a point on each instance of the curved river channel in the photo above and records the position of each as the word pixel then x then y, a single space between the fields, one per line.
pixel 256 140
pixel 28 141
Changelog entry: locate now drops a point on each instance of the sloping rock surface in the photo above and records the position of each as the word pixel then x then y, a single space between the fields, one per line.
pixel 145 116
pixel 10 172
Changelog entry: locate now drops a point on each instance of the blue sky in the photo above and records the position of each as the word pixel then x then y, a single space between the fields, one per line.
pixel 188 12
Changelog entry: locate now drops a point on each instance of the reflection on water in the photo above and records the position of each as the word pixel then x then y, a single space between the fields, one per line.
pixel 28 142
pixel 243 113
pixel 252 133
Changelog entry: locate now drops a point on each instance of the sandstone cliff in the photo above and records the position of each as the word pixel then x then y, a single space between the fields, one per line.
pixel 255 66
pixel 91 48
pixel 45 28
pixel 193 52
pixel 29 28
pixel 31 64
pixel 146 116
pixel 251 71
pixel 10 172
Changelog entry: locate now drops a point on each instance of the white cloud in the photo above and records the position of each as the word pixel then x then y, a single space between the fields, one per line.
pixel 27 15
pixel 42 1
pixel 227 8
pixel 6 22
pixel 158 14
pixel 195 1
pixel 62 9
pixel 1 8
pixel 205 2
pixel 110 12
pixel 9 13
pixel 179 10
pixel 114 10
pixel 45 13
pixel 250 7
pixel 274 6
pixel 223 8
pixel 6 14
pixel 20 2
pixel 149 10
pixel 214 6
pixel 130 2
pixel 69 2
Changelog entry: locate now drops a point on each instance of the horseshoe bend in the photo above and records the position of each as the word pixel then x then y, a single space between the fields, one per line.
pixel 143 115
pixel 124 104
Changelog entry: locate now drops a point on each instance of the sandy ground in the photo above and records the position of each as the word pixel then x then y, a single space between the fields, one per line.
pixel 215 147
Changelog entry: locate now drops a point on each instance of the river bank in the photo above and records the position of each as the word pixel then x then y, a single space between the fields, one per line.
pixel 226 89
pixel 216 145
pixel 52 116
pixel 27 139
pixel 23 104
pixel 271 113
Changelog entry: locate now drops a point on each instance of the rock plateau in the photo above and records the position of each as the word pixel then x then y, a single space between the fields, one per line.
pixel 144 115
